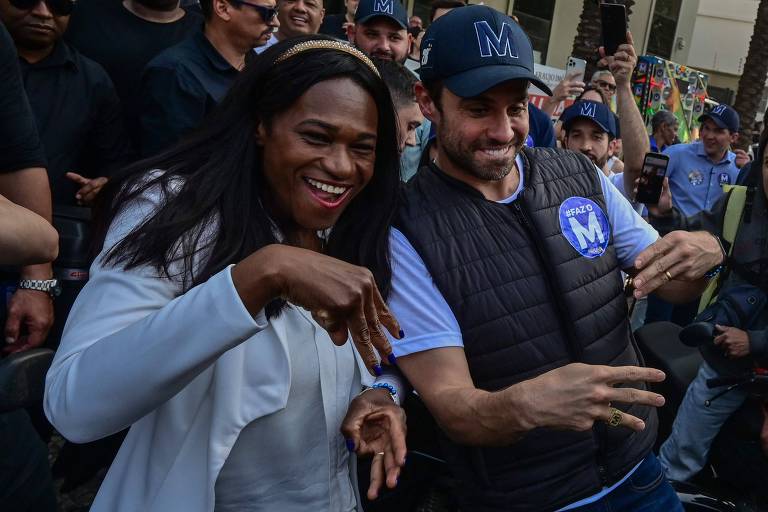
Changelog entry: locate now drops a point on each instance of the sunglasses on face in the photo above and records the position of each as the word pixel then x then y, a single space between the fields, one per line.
pixel 57 7
pixel 606 85
pixel 267 13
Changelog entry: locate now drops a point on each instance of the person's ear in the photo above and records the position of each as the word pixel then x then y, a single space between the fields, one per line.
pixel 427 105
pixel 351 32
pixel 260 135
pixel 734 137
pixel 221 8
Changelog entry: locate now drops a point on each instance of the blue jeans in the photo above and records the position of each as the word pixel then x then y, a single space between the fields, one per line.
pixel 647 490
pixel 685 451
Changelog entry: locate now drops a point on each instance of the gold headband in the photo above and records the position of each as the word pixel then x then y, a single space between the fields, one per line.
pixel 324 44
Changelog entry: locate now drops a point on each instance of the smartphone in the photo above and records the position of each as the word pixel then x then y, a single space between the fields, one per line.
pixel 614 26
pixel 576 67
pixel 652 178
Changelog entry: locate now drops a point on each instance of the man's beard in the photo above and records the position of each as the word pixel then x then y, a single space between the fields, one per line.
pixel 600 162
pixel 159 5
pixel 463 158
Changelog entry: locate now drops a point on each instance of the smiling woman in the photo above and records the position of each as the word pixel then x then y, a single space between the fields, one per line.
pixel 231 265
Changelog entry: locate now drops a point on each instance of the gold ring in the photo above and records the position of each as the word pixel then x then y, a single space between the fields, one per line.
pixel 615 420
pixel 669 276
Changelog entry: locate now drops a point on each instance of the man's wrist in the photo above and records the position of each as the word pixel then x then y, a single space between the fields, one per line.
pixel 42 272
pixel 517 399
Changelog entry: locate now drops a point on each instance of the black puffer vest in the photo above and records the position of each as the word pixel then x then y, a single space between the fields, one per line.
pixel 528 302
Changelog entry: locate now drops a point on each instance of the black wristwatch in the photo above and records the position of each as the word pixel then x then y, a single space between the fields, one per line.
pixel 49 286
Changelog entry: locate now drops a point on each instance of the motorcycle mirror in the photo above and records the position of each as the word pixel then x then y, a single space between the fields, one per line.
pixel 697 334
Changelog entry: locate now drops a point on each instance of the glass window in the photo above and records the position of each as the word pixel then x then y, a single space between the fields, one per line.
pixel 536 18
pixel 663 26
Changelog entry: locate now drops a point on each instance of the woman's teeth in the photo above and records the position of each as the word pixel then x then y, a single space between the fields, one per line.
pixel 326 188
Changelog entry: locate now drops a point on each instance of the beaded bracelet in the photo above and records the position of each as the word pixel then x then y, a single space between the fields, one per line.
pixel 389 387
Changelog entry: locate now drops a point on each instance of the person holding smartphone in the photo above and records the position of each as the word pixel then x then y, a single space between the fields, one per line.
pixel 696 173
pixel 686 450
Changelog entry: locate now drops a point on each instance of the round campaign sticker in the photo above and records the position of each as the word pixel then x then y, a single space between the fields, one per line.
pixel 585 226
pixel 724 178
pixel 696 178
pixel 529 141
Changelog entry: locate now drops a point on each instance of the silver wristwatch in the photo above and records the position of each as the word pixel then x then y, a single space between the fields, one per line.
pixel 49 286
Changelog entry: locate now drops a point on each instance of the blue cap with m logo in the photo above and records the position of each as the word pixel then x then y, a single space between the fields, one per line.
pixel 598 113
pixel 392 9
pixel 724 117
pixel 475 48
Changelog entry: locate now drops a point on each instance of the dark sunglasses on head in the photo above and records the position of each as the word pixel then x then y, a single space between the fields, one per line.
pixel 267 13
pixel 57 7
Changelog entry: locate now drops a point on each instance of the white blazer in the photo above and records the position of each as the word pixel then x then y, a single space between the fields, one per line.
pixel 185 372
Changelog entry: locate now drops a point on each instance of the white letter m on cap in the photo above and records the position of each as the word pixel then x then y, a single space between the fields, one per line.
pixel 383 6
pixel 719 110
pixel 588 109
pixel 489 42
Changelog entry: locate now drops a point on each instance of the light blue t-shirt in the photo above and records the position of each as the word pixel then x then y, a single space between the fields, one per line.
pixel 618 182
pixel 694 180
pixel 427 319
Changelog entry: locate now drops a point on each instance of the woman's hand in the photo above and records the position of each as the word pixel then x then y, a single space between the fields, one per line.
pixel 375 425
pixel 343 298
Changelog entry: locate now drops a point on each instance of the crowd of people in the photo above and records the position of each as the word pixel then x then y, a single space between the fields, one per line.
pixel 299 220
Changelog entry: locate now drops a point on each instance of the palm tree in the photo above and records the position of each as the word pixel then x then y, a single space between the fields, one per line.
pixel 752 81
pixel 588 34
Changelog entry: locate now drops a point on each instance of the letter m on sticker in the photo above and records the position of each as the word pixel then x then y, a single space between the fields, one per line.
pixel 591 232
pixel 383 6
pixel 490 43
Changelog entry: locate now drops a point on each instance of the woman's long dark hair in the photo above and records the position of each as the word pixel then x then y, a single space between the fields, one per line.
pixel 219 168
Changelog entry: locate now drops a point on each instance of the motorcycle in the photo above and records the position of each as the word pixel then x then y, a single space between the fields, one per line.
pixel 735 476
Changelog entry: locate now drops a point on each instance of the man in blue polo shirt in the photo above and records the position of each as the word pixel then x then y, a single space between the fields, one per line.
pixel 697 171
pixel 505 279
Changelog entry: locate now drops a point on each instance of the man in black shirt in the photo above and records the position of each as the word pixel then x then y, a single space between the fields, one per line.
pixel 182 84
pixel 123 36
pixel 76 109
pixel 25 480
pixel 335 25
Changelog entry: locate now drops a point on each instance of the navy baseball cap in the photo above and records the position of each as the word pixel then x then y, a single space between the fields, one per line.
pixel 475 48
pixel 723 116
pixel 392 9
pixel 598 113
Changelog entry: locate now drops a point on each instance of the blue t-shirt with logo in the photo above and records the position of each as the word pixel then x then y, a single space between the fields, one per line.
pixel 694 180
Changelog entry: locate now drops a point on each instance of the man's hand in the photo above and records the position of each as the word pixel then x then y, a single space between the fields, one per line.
pixel 734 342
pixel 575 396
pixel 680 255
pixel 664 206
pixel 30 317
pixel 375 425
pixel 568 87
pixel 742 158
pixel 622 63
pixel 89 188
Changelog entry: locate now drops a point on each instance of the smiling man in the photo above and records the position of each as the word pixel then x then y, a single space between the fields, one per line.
pixel 697 171
pixel 297 18
pixel 381 30
pixel 506 280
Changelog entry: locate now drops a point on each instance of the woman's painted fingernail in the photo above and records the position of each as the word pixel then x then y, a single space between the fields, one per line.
pixel 350 445
pixel 402 334
pixel 392 359
pixel 377 370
